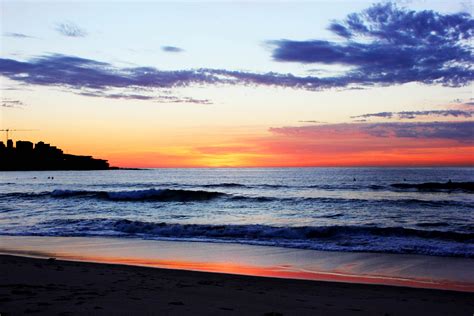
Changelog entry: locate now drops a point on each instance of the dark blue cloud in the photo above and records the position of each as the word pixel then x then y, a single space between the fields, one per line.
pixel 172 49
pixel 387 45
pixel 97 79
pixel 70 29
pixel 77 73
pixel 414 114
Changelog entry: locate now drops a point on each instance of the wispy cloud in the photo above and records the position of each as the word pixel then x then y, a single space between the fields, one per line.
pixel 387 45
pixel 415 114
pixel 134 96
pixel 176 99
pixel 172 49
pixel 312 121
pixel 8 103
pixel 17 35
pixel 70 29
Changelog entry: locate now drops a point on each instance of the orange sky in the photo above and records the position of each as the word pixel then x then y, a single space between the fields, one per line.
pixel 337 148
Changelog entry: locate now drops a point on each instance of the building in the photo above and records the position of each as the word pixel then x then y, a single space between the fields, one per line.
pixel 42 156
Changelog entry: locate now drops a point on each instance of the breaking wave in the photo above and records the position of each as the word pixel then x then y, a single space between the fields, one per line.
pixel 334 238
pixel 181 195
pixel 164 195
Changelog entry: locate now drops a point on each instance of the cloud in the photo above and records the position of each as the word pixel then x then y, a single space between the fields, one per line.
pixel 415 114
pixel 383 45
pixel 171 49
pixel 70 29
pixel 134 96
pixel 457 131
pixel 312 121
pixel 386 45
pixel 78 74
pixel 380 114
pixel 17 35
pixel 7 103
pixel 75 73
pixel 175 99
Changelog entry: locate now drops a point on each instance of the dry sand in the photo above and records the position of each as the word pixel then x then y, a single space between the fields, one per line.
pixel 55 287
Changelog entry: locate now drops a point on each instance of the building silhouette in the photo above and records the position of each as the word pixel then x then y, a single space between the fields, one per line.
pixel 42 156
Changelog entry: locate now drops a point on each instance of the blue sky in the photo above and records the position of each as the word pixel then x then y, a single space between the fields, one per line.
pixel 212 34
pixel 68 67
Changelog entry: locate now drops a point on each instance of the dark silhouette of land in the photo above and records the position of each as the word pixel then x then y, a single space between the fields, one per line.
pixel 41 156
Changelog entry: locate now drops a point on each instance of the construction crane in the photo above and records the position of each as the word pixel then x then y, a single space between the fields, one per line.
pixel 14 130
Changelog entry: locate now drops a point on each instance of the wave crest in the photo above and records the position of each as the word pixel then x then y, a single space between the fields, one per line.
pixel 165 195
pixel 331 238
pixel 271 232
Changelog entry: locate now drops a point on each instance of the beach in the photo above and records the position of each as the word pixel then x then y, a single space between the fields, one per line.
pixel 78 275
pixel 56 287
pixel 241 241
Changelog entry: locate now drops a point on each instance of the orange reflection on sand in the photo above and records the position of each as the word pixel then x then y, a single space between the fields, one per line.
pixel 284 271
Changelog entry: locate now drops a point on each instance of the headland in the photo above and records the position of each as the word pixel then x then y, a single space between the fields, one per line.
pixel 27 156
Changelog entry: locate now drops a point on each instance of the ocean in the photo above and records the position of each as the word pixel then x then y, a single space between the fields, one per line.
pixel 386 210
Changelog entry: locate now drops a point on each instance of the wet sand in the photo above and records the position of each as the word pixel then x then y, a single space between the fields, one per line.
pixel 55 287
pixel 445 273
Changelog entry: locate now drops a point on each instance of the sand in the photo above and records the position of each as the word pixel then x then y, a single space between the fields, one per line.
pixel 56 287
pixel 446 273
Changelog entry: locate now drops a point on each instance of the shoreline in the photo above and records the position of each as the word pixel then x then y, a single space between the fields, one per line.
pixel 50 286
pixel 416 271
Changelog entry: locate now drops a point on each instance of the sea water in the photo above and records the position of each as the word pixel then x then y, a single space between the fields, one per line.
pixel 387 210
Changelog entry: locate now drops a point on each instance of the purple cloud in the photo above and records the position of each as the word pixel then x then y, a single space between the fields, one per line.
pixel 414 114
pixel 79 73
pixel 458 131
pixel 388 45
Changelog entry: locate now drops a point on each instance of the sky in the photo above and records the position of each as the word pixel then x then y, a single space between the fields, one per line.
pixel 242 84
